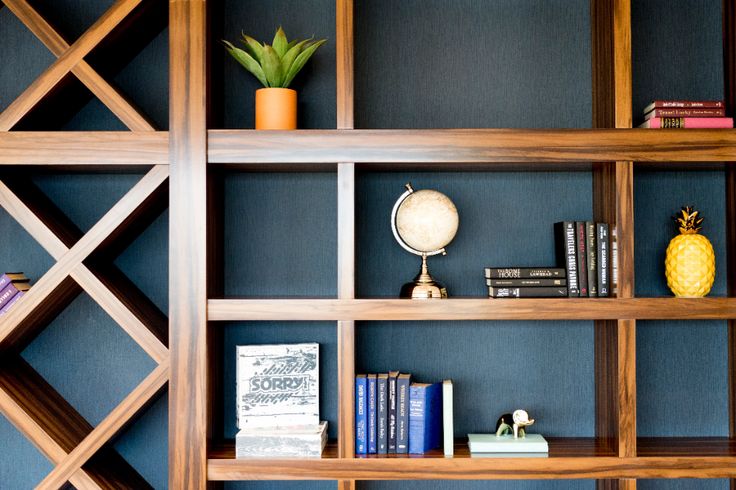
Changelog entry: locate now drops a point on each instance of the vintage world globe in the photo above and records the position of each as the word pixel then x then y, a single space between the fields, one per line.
pixel 426 220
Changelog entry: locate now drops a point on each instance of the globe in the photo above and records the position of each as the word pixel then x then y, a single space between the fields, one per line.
pixel 424 223
pixel 427 220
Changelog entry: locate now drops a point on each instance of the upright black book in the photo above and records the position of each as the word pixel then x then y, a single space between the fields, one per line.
pixel 392 425
pixel 604 248
pixel 565 250
pixel 402 413
pixel 581 254
pixel 592 262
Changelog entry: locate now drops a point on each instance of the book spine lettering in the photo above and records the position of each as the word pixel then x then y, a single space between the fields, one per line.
pixel 9 304
pixel 565 249
pixel 603 249
pixel 402 416
pixel 7 293
pixel 689 104
pixel 581 256
pixel 515 283
pixel 392 376
pixel 613 279
pixel 683 112
pixel 382 413
pixel 524 272
pixel 372 445
pixel 361 420
pixel 533 292
pixel 591 261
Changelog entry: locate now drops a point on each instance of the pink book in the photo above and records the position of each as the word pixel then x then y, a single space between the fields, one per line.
pixel 680 112
pixel 688 122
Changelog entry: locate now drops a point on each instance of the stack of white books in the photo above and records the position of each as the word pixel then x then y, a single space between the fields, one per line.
pixel 278 401
pixel 491 445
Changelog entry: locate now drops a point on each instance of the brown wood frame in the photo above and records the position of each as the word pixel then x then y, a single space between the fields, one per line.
pixel 179 159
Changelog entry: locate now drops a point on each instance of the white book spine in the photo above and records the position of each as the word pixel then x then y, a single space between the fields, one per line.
pixel 448 428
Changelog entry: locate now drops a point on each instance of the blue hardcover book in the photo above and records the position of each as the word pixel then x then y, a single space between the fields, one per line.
pixel 382 413
pixel 402 413
pixel 361 416
pixel 372 446
pixel 392 377
pixel 425 417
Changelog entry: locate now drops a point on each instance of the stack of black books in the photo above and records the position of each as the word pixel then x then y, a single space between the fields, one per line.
pixel 526 282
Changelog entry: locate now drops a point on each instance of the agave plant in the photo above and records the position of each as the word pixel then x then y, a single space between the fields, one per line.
pixel 275 65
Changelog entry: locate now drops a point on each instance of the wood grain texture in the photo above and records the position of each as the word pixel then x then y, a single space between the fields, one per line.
pixel 55 428
pixel 96 149
pixel 466 468
pixel 111 425
pixel 346 388
pixel 728 15
pixel 539 146
pixel 104 91
pixel 188 386
pixel 345 70
pixel 63 65
pixel 472 309
pixel 47 295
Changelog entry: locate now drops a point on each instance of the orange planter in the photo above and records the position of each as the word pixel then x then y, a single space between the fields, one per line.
pixel 275 108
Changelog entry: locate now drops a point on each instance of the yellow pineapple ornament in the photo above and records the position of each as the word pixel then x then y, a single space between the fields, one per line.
pixel 690 265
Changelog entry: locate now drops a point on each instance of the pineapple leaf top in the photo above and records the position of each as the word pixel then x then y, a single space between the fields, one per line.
pixel 688 221
pixel 277 64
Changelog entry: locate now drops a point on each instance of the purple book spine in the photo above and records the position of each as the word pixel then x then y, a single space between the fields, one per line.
pixel 11 302
pixel 7 293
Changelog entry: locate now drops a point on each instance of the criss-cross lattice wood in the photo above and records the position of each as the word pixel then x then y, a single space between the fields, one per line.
pixel 70 59
pixel 28 401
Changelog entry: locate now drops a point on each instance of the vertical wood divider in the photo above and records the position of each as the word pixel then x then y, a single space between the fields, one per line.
pixel 729 91
pixel 615 341
pixel 345 236
pixel 188 404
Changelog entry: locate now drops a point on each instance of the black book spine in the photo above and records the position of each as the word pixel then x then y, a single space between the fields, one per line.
pixel 382 413
pixel 604 248
pixel 524 272
pixel 392 377
pixel 532 292
pixel 565 249
pixel 591 261
pixel 581 255
pixel 402 413
pixel 518 283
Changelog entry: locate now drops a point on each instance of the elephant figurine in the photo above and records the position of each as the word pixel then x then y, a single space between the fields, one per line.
pixel 515 423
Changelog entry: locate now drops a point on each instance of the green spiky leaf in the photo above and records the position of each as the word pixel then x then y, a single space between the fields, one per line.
pixel 272 67
pixel 248 62
pixel 254 48
pixel 280 43
pixel 288 59
pixel 301 60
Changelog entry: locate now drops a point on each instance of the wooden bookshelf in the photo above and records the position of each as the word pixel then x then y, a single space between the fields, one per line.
pixel 180 167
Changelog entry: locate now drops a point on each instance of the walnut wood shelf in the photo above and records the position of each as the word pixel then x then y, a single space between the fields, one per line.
pixel 569 458
pixel 711 308
pixel 541 147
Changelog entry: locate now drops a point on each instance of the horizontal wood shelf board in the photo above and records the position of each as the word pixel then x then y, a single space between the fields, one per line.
pixel 542 146
pixel 419 468
pixel 84 148
pixel 686 446
pixel 472 309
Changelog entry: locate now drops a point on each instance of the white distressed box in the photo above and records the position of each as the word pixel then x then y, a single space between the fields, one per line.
pixel 296 442
pixel 277 385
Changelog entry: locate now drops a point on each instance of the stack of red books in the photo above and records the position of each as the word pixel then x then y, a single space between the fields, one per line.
pixel 686 114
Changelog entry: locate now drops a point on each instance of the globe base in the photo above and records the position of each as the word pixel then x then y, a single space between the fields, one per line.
pixel 424 286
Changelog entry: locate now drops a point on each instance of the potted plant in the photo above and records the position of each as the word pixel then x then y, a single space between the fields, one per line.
pixel 275 66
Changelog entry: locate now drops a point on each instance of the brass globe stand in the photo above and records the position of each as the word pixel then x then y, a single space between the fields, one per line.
pixel 424 286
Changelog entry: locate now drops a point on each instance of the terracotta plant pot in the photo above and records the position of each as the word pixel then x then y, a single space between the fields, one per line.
pixel 275 108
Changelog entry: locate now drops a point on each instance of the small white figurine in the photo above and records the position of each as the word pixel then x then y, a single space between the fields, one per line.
pixel 516 422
